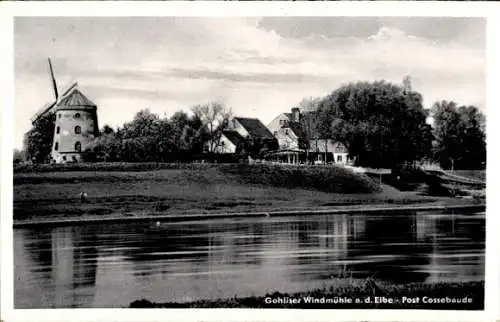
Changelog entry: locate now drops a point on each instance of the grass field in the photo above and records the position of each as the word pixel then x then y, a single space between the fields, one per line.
pixel 198 189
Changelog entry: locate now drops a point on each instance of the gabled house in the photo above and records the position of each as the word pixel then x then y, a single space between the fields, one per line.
pixel 290 135
pixel 230 142
pixel 292 139
pixel 329 150
pixel 298 140
pixel 250 128
pixel 246 134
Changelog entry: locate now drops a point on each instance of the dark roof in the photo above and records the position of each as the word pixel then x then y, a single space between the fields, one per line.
pixel 234 137
pixel 75 99
pixel 255 128
pixel 71 97
pixel 298 130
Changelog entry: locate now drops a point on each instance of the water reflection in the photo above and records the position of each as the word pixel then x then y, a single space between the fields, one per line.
pixel 112 265
pixel 55 268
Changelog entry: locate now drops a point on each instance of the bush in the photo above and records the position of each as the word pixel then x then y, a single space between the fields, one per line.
pixel 111 166
pixel 327 179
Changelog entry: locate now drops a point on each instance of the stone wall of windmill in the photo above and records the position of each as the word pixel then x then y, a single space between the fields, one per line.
pixel 75 127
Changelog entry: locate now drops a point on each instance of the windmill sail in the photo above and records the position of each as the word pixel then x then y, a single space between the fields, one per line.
pixel 54 84
pixel 47 107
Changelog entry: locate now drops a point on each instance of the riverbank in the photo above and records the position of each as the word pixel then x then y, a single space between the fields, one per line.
pixel 191 192
pixel 165 218
pixel 366 294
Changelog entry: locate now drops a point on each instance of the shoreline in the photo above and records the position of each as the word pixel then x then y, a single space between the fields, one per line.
pixel 179 217
pixel 369 294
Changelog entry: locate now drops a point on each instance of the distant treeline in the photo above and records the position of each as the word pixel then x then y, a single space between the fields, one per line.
pixel 382 125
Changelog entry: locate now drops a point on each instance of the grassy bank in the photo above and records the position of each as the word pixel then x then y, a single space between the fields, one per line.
pixel 326 179
pixel 471 174
pixel 193 188
pixel 109 167
pixel 409 296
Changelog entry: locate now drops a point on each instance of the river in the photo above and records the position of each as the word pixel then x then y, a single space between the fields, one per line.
pixel 111 265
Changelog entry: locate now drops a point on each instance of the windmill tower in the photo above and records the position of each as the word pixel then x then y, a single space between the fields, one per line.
pixel 76 123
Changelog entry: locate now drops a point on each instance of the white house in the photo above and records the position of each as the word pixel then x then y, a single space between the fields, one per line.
pixel 230 142
pixel 288 128
pixel 239 131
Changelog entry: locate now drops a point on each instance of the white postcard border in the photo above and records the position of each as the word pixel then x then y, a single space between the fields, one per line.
pixel 446 9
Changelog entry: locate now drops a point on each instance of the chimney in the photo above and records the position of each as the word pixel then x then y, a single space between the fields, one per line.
pixel 295 114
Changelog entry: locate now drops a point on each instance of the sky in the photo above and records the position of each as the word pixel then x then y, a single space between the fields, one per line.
pixel 259 67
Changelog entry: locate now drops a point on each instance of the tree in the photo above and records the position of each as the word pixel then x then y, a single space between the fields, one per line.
pixel 309 121
pixel 214 118
pixel 38 140
pixel 18 156
pixel 379 123
pixel 144 124
pixel 151 138
pixel 187 133
pixel 311 125
pixel 143 138
pixel 460 138
pixel 107 130
pixel 407 87
pixel 108 145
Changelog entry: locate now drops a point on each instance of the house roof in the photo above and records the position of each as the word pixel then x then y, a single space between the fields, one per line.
pixel 75 98
pixel 298 130
pixel 255 127
pixel 234 137
pixel 71 97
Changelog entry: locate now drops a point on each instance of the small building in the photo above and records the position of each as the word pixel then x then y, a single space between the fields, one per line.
pixel 244 133
pixel 230 142
pixel 289 132
pixel 327 150
pixel 298 137
pixel 250 128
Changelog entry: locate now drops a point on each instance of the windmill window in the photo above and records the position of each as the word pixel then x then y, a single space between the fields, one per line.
pixel 77 115
pixel 286 131
pixel 78 147
pixel 78 130
pixel 64 158
pixel 58 129
pixel 60 115
pixel 56 146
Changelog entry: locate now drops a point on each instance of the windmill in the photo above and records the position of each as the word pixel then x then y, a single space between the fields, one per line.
pixel 76 123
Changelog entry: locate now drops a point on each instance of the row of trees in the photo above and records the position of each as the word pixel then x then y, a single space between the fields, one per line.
pixel 146 138
pixel 386 125
pixel 381 124
pixel 151 138
pixel 459 132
